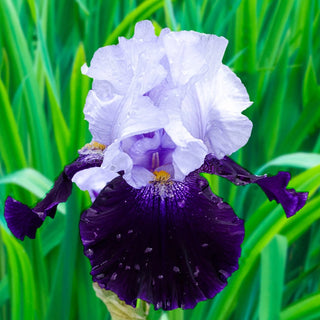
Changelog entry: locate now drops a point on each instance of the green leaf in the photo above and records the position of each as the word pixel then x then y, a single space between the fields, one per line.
pixel 246 36
pixel 23 298
pixel 61 130
pixel 11 148
pixel 175 314
pixel 310 85
pixel 22 68
pixel 306 124
pixel 273 262
pixel 169 14
pixel 144 10
pixel 4 290
pixel 32 181
pixel 79 87
pixel 276 32
pixel 306 308
pixel 302 160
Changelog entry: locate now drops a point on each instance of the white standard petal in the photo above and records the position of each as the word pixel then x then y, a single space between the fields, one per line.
pixel 211 111
pixel 133 64
pixel 120 117
pixel 190 152
pixel 138 177
pixel 93 179
pixel 190 53
pixel 116 160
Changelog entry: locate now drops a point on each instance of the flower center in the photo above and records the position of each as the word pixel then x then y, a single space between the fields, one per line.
pixel 161 176
pixel 94 145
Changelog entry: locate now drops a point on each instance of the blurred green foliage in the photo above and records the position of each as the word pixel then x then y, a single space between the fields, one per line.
pixel 273 46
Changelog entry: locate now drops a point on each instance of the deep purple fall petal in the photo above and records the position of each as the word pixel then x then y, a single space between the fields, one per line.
pixel 171 244
pixel 21 220
pixel 275 187
pixel 24 221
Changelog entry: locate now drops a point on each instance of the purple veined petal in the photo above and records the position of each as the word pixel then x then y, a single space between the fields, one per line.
pixel 171 244
pixel 275 187
pixel 149 152
pixel 24 221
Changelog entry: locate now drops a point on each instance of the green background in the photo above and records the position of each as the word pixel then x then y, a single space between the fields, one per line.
pixel 274 47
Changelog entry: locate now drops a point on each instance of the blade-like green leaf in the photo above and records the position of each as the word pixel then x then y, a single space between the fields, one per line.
pixel 148 6
pixel 32 181
pixel 301 160
pixel 11 148
pixel 306 308
pixel 273 262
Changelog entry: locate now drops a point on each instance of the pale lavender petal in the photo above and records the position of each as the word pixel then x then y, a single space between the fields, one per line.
pixel 191 53
pixel 190 152
pixel 121 117
pixel 211 111
pixel 127 65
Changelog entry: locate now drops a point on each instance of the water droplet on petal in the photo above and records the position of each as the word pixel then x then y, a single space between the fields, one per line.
pixel 181 203
pixel 148 250
pixel 160 276
pixel 137 267
pixel 89 252
pixel 118 236
pixel 196 273
pixel 114 276
pixel 130 231
pixel 176 269
pixel 127 267
pixel 223 275
pixel 204 245
pixel 100 276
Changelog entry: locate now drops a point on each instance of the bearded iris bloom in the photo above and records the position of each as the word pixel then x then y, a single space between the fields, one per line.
pixel 162 110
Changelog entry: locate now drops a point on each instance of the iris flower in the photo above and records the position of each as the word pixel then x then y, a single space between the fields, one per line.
pixel 162 110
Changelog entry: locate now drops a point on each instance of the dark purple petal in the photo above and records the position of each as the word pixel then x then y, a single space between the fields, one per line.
pixel 23 221
pixel 171 244
pixel 274 187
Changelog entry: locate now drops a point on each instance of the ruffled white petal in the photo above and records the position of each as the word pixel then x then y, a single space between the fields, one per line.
pixel 190 54
pixel 163 102
pixel 127 65
pixel 120 117
pixel 93 179
pixel 190 152
pixel 138 177
pixel 211 111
